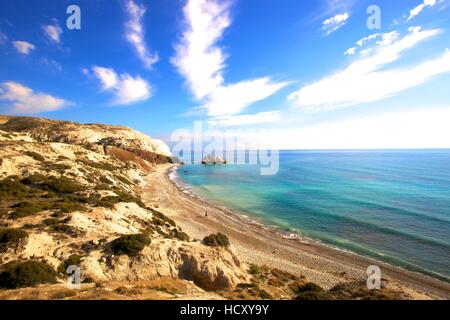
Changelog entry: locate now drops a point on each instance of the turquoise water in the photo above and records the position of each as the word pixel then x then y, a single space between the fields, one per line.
pixel 390 205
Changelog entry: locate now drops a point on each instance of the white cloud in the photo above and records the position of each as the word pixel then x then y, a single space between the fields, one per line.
pixel 234 98
pixel 126 89
pixel 25 100
pixel 383 39
pixel 23 47
pixel 135 34
pixel 417 10
pixel 53 32
pixel 426 128
pixel 334 23
pixel 246 119
pixel 363 81
pixel 351 51
pixel 201 61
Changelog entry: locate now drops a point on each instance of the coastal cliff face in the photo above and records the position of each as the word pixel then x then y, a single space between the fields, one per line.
pixel 93 135
pixel 71 195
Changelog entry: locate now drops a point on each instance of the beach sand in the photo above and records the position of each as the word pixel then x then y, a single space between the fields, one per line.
pixel 263 245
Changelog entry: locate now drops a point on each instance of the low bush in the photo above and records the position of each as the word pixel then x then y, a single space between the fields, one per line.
pixel 65 229
pixel 308 291
pixel 26 274
pixel 73 260
pixel 307 287
pixel 68 206
pixel 11 238
pixel 61 185
pixel 98 165
pixel 160 216
pixel 60 167
pixel 11 187
pixel 51 221
pixel 27 208
pixel 216 240
pixel 180 235
pixel 254 269
pixel 130 244
pixel 36 156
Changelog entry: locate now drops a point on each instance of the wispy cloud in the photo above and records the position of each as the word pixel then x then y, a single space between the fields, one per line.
pixel 246 119
pixel 24 100
pixel 334 23
pixel 364 81
pixel 23 47
pixel 417 10
pixel 201 61
pixel 382 39
pixel 135 33
pixel 234 98
pixel 125 88
pixel 52 64
pixel 53 32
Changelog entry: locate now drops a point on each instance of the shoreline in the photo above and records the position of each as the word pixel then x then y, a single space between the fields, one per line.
pixel 287 234
pixel 261 244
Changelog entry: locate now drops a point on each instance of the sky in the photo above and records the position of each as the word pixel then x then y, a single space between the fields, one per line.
pixel 298 74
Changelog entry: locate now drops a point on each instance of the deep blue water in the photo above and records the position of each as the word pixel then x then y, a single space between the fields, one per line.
pixel 390 205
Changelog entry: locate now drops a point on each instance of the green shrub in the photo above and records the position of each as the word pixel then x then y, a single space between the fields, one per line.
pixel 68 206
pixel 160 216
pixel 11 238
pixel 33 179
pixel 216 240
pixel 26 274
pixel 126 197
pixel 65 229
pixel 98 165
pixel 11 187
pixel 254 269
pixel 35 155
pixel 263 294
pixel 73 260
pixel 51 221
pixel 61 185
pixel 308 291
pixel 60 167
pixel 27 208
pixel 307 287
pixel 180 235
pixel 130 244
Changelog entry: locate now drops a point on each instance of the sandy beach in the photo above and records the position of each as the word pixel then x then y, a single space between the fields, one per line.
pixel 263 245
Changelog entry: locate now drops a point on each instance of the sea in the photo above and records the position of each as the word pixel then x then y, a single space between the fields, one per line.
pixel 391 205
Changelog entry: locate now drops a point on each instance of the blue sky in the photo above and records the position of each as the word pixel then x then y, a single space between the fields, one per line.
pixel 305 74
